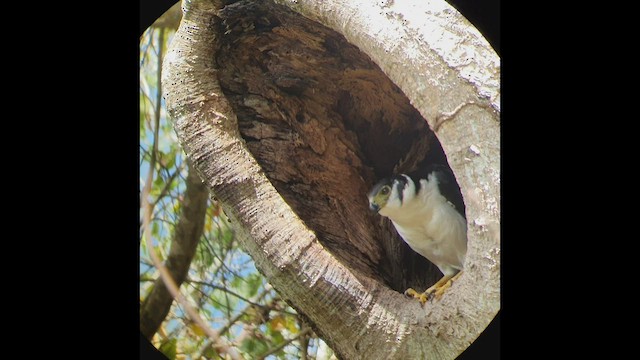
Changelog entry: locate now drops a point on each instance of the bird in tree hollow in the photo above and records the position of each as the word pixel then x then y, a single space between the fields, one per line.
pixel 429 216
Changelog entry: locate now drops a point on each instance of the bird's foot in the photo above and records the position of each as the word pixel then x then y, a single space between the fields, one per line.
pixel 422 297
pixel 428 294
pixel 434 292
pixel 437 291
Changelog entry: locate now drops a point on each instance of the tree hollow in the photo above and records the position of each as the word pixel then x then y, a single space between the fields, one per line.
pixel 325 123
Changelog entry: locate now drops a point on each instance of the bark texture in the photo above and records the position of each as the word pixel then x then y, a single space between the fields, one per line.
pixel 188 230
pixel 289 124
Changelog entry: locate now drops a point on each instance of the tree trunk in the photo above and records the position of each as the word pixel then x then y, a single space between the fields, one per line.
pixel 290 119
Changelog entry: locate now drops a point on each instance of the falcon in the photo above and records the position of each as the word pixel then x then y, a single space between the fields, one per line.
pixel 428 214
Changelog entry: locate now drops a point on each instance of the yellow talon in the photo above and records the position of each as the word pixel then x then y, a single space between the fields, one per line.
pixel 422 297
pixel 435 291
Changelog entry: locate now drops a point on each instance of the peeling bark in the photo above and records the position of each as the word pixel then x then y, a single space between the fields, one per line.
pixel 187 234
pixel 289 124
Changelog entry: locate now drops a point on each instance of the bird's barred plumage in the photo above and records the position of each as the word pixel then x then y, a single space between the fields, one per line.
pixel 428 214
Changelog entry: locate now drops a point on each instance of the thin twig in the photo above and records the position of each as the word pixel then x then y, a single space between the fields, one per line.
pixel 303 332
pixel 226 290
pixel 222 261
pixel 167 184
pixel 304 344
pixel 235 319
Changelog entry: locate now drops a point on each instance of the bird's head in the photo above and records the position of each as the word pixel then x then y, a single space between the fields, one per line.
pixel 388 194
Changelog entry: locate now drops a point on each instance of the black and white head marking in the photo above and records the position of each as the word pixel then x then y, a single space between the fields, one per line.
pixel 400 183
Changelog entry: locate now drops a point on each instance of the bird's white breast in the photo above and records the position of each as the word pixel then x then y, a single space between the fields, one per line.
pixel 432 227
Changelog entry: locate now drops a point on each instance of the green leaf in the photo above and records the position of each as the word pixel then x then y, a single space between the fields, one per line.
pixel 171 161
pixel 168 348
pixel 146 277
pixel 206 258
pixel 227 236
pixel 292 324
pixel 254 346
pixel 142 125
pixel 177 206
pixel 222 301
pixel 247 286
pixel 254 282
pixel 277 337
pixel 155 229
pixel 210 353
pixel 236 283
pixel 158 182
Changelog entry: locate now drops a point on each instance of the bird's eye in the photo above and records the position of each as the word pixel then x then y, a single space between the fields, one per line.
pixel 384 190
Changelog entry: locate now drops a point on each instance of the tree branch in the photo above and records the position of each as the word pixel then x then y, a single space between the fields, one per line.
pixel 222 288
pixel 235 319
pixel 301 334
pixel 183 246
pixel 167 184
pixel 156 306
pixel 304 344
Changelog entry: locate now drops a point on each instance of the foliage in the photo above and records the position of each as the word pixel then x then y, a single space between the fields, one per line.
pixel 222 283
